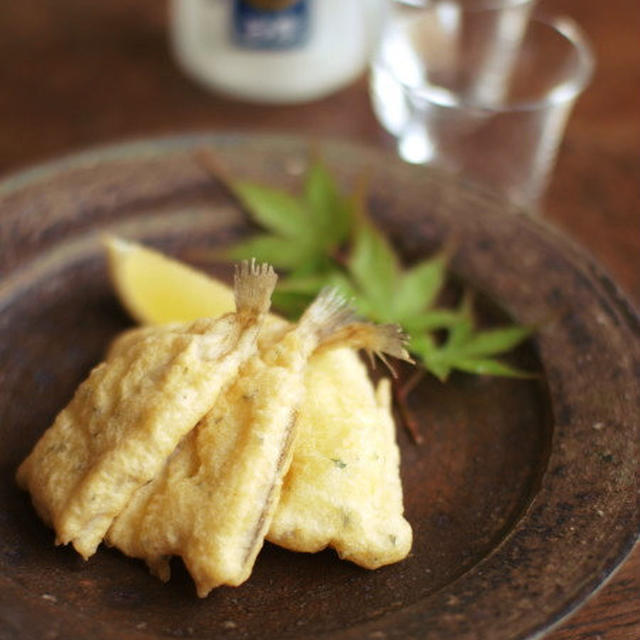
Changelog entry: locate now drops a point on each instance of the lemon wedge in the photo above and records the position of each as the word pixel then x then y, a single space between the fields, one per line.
pixel 156 289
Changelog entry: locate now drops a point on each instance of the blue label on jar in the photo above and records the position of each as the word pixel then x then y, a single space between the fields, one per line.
pixel 275 24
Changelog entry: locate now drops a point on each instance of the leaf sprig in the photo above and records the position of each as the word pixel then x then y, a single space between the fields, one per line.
pixel 324 237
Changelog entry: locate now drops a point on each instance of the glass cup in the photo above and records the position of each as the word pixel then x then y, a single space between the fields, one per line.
pixel 481 88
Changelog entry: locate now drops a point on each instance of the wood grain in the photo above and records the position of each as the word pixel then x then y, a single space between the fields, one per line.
pixel 76 74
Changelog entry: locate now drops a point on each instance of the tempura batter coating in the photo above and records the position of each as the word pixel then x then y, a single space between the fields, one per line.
pixel 343 488
pixel 214 501
pixel 128 416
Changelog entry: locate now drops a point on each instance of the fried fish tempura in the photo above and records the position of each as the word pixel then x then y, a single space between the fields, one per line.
pixel 343 488
pixel 214 501
pixel 129 415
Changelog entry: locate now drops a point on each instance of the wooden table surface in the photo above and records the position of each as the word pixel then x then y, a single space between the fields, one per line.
pixel 75 74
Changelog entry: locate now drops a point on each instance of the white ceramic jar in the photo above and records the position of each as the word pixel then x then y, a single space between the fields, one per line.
pixel 275 51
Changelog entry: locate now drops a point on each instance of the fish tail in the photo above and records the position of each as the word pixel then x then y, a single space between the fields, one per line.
pixel 378 339
pixel 253 285
pixel 335 324
pixel 327 314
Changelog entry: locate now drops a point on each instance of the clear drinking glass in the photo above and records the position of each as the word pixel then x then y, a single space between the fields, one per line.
pixel 481 88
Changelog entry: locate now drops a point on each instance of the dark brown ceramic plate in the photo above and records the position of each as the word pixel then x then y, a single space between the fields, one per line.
pixel 523 498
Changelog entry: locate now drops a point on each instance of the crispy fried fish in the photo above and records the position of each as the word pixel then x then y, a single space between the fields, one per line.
pixel 129 415
pixel 343 489
pixel 213 502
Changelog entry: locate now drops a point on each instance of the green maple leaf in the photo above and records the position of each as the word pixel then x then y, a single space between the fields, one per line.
pixel 468 349
pixel 330 209
pixel 303 231
pixel 374 269
pixel 324 238
pixel 295 292
pixel 387 293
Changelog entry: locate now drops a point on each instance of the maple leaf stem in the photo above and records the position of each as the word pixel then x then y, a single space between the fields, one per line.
pixel 413 381
pixel 401 391
pixel 208 161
